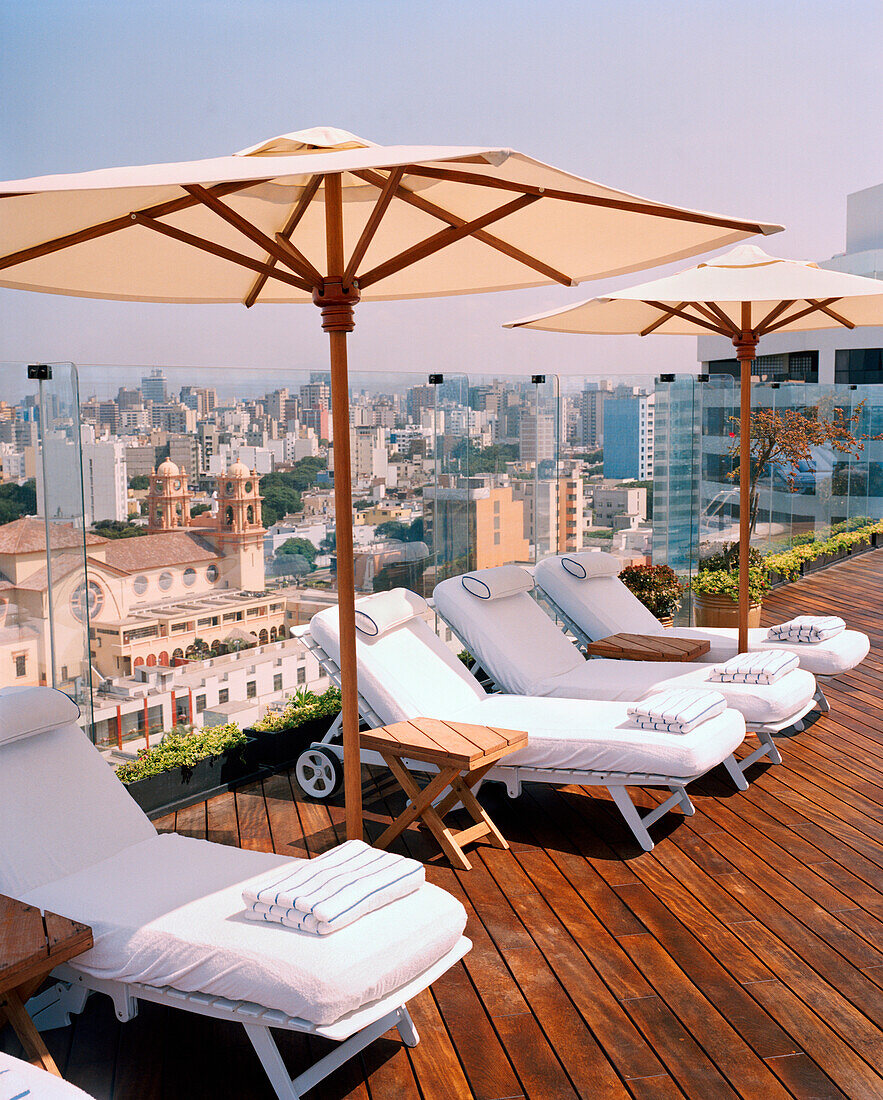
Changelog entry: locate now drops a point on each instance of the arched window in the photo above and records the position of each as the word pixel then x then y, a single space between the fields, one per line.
pixel 250 514
pixel 178 655
pixel 263 637
pixel 272 633
pixel 228 517
pixel 151 660
pixel 138 661
pixel 163 658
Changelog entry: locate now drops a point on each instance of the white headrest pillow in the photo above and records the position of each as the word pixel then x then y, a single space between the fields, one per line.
pixel 27 711
pixel 598 564
pixel 380 613
pixel 493 584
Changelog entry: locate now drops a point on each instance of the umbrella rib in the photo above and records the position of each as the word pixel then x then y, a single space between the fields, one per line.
pixel 732 327
pixel 307 196
pixel 817 308
pixel 486 238
pixel 653 209
pixel 830 312
pixel 125 221
pixel 442 239
pixel 773 314
pixel 667 314
pixel 219 250
pixel 675 312
pixel 298 264
pixel 385 197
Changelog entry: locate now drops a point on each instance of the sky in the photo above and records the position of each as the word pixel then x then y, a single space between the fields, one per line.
pixel 766 110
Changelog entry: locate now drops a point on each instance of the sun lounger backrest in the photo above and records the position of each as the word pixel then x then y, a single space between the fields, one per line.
pixel 511 636
pixel 599 604
pixel 61 806
pixel 406 672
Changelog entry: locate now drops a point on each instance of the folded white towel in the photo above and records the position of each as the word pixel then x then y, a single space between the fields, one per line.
pixel 678 710
pixel 756 668
pixel 331 891
pixel 807 628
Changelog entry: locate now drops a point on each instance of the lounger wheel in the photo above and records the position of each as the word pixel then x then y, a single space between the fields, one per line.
pixel 318 772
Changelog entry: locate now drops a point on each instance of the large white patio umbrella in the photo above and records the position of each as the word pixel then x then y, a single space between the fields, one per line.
pixel 743 295
pixel 326 217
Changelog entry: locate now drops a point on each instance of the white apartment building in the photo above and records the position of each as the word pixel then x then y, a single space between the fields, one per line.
pixel 105 484
pixel 536 440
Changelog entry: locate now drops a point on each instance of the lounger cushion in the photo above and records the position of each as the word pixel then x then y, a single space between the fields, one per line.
pixel 61 807
pixel 377 614
pixel 568 734
pixel 501 581
pixel 592 564
pixel 25 712
pixel 407 672
pixel 599 605
pixel 169 911
pixel 16 1077
pixel 830 658
pixel 760 704
pixel 512 637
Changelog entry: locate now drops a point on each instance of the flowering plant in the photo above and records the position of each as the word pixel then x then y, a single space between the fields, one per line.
pixel 656 586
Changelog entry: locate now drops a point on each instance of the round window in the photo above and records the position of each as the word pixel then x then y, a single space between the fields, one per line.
pixel 248 486
pixel 165 580
pixel 176 486
pixel 140 585
pixel 189 577
pixel 87 598
pixel 229 488
pixel 212 574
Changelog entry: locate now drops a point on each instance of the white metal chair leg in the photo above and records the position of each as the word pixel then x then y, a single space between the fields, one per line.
pixel 735 773
pixel 767 747
pixel 687 807
pixel 632 818
pixel 406 1028
pixel 265 1047
pixel 823 705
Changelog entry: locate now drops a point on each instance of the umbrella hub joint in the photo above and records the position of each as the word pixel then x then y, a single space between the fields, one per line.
pixel 336 302
pixel 745 344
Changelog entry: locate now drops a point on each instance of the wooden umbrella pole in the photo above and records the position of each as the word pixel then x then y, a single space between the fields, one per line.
pixel 336 303
pixel 746 346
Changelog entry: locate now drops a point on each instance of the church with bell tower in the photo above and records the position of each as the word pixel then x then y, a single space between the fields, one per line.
pixel 168 499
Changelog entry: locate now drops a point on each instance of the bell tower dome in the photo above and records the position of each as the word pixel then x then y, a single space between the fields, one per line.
pixel 240 534
pixel 168 499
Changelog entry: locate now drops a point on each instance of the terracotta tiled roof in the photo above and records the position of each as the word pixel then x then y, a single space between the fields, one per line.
pixel 62 566
pixel 27 535
pixel 147 552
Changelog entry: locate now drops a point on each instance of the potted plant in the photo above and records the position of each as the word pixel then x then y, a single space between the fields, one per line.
pixel 657 587
pixel 716 596
pixel 280 737
pixel 189 765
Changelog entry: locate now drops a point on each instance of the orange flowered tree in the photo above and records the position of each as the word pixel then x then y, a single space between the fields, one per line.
pixel 785 440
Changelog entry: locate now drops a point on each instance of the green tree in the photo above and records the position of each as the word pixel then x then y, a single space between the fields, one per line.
pixel 300 546
pixel 117 529
pixel 139 481
pixel 17 500
pixel 198 509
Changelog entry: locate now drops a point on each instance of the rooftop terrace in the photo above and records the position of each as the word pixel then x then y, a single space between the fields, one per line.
pixel 742 957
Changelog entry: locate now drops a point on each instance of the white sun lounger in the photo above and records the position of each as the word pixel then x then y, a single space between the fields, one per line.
pixel 166 911
pixel 599 604
pixel 406 671
pixel 525 653
pixel 21 1081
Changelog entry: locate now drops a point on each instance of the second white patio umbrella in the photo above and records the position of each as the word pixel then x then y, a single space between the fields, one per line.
pixel 326 217
pixel 743 295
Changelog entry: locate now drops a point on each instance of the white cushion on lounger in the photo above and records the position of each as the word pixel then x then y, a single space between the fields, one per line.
pixel 836 655
pixel 78 813
pixel 569 734
pixel 168 911
pixel 599 605
pixel 527 654
pixel 42 1085
pixel 25 713
pixel 593 563
pixel 413 673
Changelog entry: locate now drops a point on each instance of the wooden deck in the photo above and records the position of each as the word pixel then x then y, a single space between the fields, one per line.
pixel 742 957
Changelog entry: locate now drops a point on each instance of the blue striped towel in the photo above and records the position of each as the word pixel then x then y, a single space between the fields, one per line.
pixel 329 892
pixel 12 1085
pixel 678 710
pixel 807 628
pixel 756 668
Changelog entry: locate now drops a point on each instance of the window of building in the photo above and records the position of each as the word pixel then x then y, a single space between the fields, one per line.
pixel 301 675
pixel 21 664
pixel 139 584
pixel 858 366
pixel 277 682
pixel 224 695
pixel 496 538
pixel 251 689
pixel 211 574
pixel 165 580
pixel 200 703
pixel 189 577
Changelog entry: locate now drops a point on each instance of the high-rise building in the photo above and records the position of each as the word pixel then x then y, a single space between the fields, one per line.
pixel 591 409
pixel 153 387
pixel 536 438
pixel 629 435
pixel 105 484
pixel 472 524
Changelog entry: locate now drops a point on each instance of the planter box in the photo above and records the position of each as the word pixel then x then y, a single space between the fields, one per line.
pixel 181 787
pixel 278 751
pixel 721 611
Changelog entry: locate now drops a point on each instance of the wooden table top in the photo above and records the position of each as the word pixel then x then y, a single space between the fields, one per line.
pixel 450 743
pixel 648 647
pixel 32 943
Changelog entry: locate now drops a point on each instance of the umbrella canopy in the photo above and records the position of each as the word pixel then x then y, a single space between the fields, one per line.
pixel 324 216
pixel 743 295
